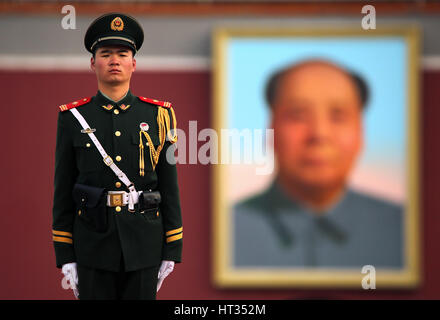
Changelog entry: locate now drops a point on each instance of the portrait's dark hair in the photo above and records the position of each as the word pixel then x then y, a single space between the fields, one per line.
pixel 275 79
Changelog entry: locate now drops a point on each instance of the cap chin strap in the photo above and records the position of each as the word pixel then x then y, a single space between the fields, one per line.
pixel 133 195
pixel 112 38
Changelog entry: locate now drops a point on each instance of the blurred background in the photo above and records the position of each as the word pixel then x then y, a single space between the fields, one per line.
pixel 43 65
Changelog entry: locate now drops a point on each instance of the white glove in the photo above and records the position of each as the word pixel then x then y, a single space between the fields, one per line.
pixel 165 269
pixel 71 275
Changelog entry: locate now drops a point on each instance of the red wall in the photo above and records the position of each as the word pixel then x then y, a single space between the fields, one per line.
pixel 29 110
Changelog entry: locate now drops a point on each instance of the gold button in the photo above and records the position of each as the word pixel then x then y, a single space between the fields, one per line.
pixel 118 209
pixel 118 158
pixel 116 111
pixel 117 133
pixel 118 184
pixel 88 145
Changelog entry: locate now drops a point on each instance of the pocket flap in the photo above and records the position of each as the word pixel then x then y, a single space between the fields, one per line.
pixel 83 140
pixel 88 196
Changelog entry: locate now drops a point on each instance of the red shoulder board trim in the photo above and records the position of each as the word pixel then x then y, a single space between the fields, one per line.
pixel 74 104
pixel 165 104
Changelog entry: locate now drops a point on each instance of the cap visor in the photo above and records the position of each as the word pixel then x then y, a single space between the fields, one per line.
pixel 114 42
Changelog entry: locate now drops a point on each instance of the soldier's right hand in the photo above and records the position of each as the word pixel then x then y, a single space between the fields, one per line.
pixel 70 273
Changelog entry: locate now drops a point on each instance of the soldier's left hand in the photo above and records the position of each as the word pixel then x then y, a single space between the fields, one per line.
pixel 165 269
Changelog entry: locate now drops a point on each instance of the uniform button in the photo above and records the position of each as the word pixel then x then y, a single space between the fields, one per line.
pixel 88 145
pixel 117 133
pixel 118 158
pixel 118 184
pixel 118 209
pixel 116 111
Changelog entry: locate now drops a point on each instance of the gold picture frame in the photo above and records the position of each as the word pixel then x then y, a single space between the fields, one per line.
pixel 225 275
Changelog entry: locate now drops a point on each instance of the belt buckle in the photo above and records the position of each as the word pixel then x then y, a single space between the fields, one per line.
pixel 116 199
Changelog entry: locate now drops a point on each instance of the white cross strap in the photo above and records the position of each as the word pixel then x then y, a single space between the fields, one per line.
pixel 134 196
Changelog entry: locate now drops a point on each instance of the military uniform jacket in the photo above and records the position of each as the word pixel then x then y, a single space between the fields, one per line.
pixel 272 229
pixel 142 240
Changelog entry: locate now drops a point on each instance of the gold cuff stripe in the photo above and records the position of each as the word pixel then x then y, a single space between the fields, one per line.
pixel 62 233
pixel 171 232
pixel 62 239
pixel 174 238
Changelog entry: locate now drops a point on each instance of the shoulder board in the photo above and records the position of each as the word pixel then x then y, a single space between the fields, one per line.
pixel 74 104
pixel 165 104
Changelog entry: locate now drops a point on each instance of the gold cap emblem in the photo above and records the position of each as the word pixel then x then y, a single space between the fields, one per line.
pixel 117 24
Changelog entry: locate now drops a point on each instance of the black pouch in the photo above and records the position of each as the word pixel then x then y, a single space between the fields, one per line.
pixel 92 202
pixel 149 201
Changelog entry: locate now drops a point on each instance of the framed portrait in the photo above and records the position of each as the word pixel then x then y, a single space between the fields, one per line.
pixel 317 180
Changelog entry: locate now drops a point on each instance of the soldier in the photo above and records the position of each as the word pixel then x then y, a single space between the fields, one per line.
pixel 117 227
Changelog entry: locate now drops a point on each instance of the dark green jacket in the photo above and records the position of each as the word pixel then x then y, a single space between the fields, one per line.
pixel 272 229
pixel 143 240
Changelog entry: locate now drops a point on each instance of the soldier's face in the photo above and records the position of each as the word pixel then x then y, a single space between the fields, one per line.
pixel 317 121
pixel 113 65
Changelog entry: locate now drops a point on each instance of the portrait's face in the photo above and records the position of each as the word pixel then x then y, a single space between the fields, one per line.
pixel 113 64
pixel 317 121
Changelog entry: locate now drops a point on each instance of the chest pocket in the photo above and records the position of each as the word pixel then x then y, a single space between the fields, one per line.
pixel 88 158
pixel 136 158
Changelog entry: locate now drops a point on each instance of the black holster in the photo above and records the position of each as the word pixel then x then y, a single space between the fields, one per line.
pixel 149 201
pixel 92 202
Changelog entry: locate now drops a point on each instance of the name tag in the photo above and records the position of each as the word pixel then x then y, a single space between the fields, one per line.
pixel 88 130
